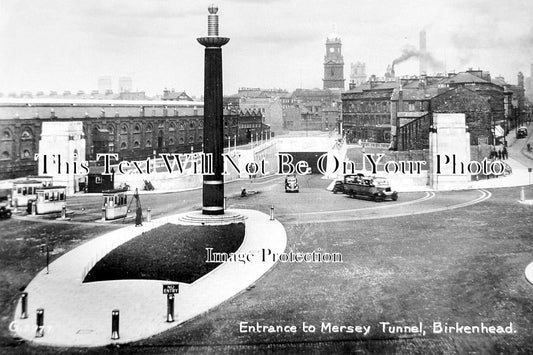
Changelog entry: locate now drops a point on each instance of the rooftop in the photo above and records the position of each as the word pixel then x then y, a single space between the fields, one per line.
pixel 92 102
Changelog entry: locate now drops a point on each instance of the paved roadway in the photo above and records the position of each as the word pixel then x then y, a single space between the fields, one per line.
pixel 313 204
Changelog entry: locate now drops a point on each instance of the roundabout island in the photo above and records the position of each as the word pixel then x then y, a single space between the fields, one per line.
pixel 78 313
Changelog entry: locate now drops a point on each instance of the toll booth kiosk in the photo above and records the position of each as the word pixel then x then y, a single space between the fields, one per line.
pixel 51 199
pixel 24 190
pixel 115 203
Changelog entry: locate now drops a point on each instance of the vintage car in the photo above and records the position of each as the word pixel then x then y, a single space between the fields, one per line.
pixel 376 188
pixel 291 184
pixel 521 132
pixel 5 212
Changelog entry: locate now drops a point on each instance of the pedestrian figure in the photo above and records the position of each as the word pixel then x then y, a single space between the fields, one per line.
pixel 492 152
pixel 499 154
pixel 138 209
pixel 505 154
pixel 138 217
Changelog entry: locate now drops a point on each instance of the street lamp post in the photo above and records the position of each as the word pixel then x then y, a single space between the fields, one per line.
pixel 306 118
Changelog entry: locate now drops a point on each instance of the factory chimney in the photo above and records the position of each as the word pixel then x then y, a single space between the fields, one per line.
pixel 422 58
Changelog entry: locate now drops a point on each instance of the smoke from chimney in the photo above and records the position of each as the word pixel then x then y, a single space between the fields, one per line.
pixel 409 52
pixel 422 59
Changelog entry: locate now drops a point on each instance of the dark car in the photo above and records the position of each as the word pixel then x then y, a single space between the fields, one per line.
pixel 5 212
pixel 376 188
pixel 291 184
pixel 338 186
pixel 521 132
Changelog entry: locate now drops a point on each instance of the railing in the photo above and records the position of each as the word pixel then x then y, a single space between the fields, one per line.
pixel 415 134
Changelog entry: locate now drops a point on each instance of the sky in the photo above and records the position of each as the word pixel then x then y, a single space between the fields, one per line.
pixel 67 44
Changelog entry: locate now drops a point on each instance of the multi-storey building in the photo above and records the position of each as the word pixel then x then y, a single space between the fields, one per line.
pixel 366 112
pixel 133 129
pixel 401 112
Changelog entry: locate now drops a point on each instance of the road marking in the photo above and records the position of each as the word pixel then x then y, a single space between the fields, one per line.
pixel 429 195
pixel 485 195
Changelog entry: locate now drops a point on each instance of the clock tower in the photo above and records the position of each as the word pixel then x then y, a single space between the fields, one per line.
pixel 333 63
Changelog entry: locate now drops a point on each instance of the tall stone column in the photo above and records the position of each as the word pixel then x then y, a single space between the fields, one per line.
pixel 213 189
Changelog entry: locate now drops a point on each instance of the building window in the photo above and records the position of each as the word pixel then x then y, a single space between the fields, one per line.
pixel 171 141
pixel 172 126
pixel 26 154
pixel 26 134
pixel 411 106
pixel 123 145
pixel 148 144
pixel 191 139
pixel 136 144
pixel 111 129
pixel 124 129
pixel 137 128
pixel 191 125
pixel 6 134
pixel 182 140
pixel 5 155
pixel 149 127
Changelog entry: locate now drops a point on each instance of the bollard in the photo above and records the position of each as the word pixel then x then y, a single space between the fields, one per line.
pixel 149 215
pixel 39 332
pixel 64 212
pixel 24 305
pixel 170 307
pixel 272 213
pixel 103 214
pixel 114 324
pixel 225 198
pixel 16 205
pixel 34 208
pixel 47 259
pixel 522 194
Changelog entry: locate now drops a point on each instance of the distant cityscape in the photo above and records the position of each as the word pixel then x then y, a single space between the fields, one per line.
pixel 389 111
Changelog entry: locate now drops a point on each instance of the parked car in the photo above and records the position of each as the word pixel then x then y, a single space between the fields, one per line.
pixel 521 132
pixel 376 188
pixel 5 212
pixel 291 184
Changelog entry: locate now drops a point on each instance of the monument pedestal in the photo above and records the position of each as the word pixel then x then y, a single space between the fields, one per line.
pixel 449 143
pixel 63 143
pixel 199 218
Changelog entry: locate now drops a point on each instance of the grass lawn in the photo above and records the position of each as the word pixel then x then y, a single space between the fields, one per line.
pixel 171 252
pixel 464 265
pixel 22 256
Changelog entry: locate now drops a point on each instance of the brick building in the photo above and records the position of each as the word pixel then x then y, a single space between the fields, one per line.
pixel 134 130
pixel 401 112
pixel 312 109
pixel 472 93
pixel 366 112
